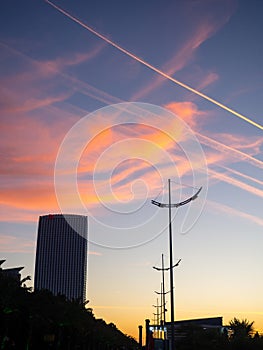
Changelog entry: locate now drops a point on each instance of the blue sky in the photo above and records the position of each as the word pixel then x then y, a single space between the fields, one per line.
pixel 59 80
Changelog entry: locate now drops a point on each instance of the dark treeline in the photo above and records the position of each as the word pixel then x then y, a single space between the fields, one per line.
pixel 39 320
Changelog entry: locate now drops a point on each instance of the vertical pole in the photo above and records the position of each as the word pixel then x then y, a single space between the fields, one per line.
pixel 161 307
pixel 171 268
pixel 164 308
pixel 147 331
pixel 163 291
pixel 158 319
pixel 140 337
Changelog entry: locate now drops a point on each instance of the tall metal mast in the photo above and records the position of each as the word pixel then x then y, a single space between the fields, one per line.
pixel 171 205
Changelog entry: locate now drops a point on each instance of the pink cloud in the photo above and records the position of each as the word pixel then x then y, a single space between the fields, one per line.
pixel 28 153
pixel 34 103
pixel 184 55
pixel 16 213
pixel 189 112
pixel 35 76
pixel 53 67
pixel 39 70
pixel 94 253
pixel 209 79
pixel 30 145
pixel 32 196
pixel 30 158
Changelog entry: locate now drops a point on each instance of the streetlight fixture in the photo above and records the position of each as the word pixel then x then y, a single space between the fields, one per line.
pixel 171 205
pixel 163 293
pixel 162 315
pixel 162 305
pixel 158 317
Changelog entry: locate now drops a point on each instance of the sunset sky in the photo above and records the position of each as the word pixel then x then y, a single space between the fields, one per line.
pixel 101 103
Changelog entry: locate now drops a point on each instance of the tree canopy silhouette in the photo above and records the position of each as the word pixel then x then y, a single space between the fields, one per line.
pixel 241 328
pixel 39 320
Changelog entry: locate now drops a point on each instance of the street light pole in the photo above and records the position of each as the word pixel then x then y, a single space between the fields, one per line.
pixel 171 205
pixel 171 267
pixel 157 324
pixel 163 291
pixel 162 286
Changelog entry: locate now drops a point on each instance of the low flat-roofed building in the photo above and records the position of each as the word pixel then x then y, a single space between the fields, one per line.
pixel 184 329
pixel 13 272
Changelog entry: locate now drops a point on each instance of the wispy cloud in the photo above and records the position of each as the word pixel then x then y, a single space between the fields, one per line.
pixel 232 212
pixel 25 162
pixel 35 70
pixel 181 59
pixel 242 175
pixel 90 252
pixel 37 75
pixel 16 244
pixel 28 154
pixel 237 183
pixel 189 112
pixel 232 152
pixel 31 104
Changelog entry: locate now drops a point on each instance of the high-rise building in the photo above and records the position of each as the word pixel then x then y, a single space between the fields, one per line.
pixel 61 255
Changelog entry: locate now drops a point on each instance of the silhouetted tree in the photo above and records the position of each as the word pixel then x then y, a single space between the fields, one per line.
pixel 39 320
pixel 241 328
pixel 241 338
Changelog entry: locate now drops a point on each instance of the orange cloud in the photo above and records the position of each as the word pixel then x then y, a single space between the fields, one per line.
pixel 13 213
pixel 127 153
pixel 30 196
pixel 29 157
pixel 134 134
pixel 188 111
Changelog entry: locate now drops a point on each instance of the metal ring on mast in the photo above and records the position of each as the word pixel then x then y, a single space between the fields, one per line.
pixel 176 205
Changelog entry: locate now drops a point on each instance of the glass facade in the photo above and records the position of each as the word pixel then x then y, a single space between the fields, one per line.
pixel 61 255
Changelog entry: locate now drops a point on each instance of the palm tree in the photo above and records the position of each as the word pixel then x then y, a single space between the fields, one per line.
pixel 241 328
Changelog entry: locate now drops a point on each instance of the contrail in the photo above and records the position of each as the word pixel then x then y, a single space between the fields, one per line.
pixel 222 147
pixel 138 59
